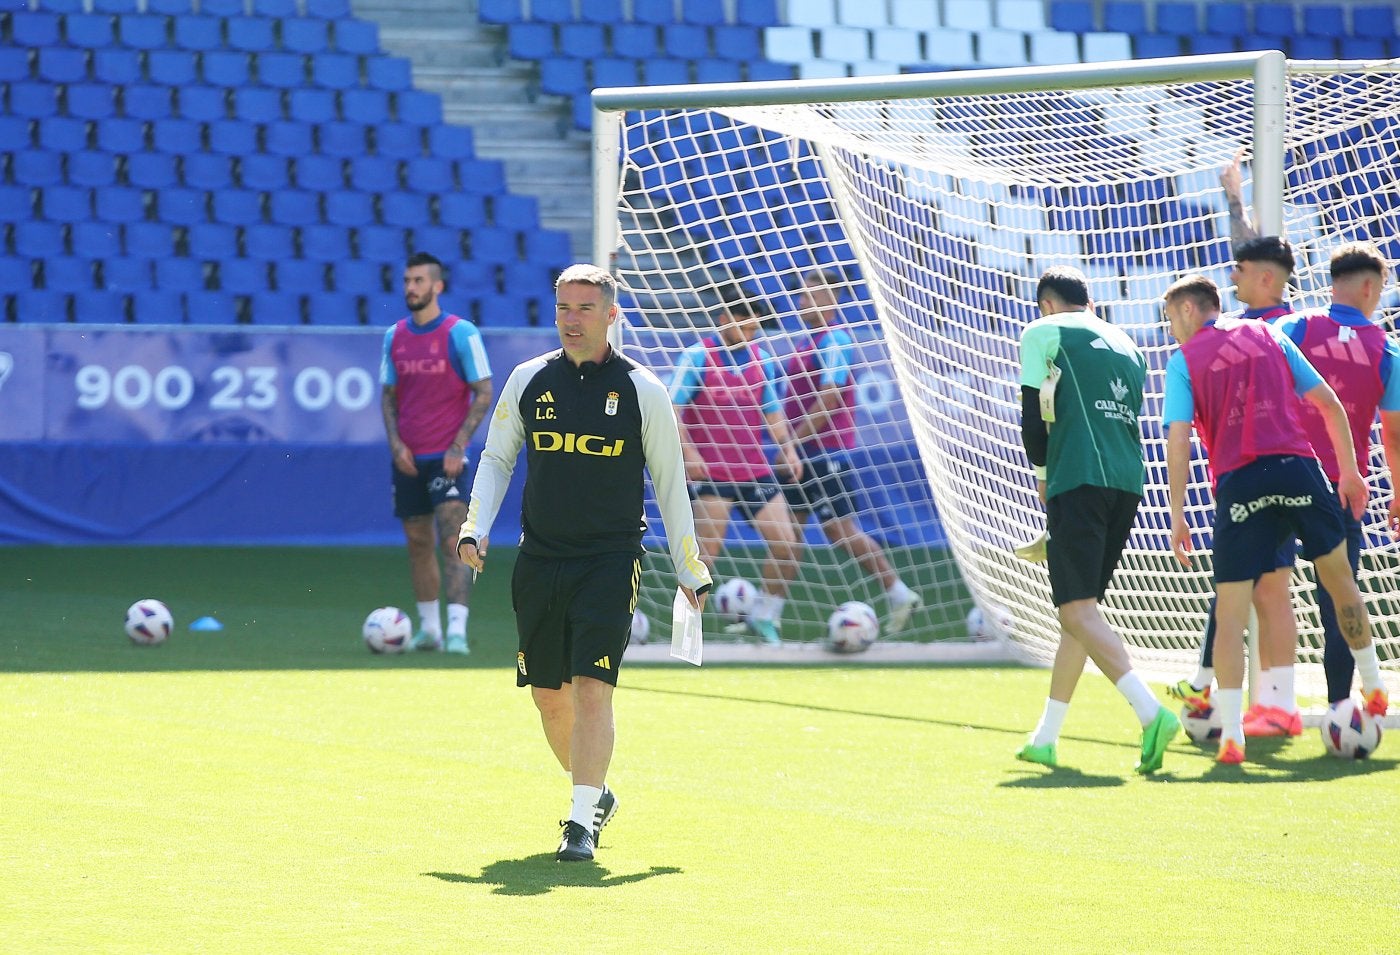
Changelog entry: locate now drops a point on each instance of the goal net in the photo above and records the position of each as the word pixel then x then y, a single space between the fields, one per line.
pixel 938 201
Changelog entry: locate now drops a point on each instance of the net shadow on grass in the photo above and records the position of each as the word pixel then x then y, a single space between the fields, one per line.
pixel 541 873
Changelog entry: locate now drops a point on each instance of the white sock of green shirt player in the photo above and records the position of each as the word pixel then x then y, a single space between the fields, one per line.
pixel 585 801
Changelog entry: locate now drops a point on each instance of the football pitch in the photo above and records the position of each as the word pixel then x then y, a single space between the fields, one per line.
pixel 273 787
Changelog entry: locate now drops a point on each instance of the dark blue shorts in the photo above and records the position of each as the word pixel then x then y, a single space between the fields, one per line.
pixel 749 497
pixel 825 488
pixel 1088 527
pixel 416 496
pixel 1261 507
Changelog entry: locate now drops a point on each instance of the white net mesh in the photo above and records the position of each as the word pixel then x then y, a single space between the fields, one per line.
pixel 942 213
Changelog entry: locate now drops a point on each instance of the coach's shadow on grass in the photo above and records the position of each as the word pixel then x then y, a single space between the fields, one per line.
pixel 538 874
pixel 1060 777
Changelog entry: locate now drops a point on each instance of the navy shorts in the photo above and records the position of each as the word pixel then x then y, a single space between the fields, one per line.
pixel 1087 528
pixel 416 496
pixel 825 489
pixel 749 497
pixel 573 616
pixel 1261 507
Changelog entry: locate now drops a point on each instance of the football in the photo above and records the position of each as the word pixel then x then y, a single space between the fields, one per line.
pixel 852 628
pixel 735 599
pixel 641 628
pixel 1203 725
pixel 148 622
pixel 1349 732
pixel 982 625
pixel 387 630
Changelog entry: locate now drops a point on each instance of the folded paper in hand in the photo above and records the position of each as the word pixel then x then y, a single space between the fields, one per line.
pixel 1033 551
pixel 686 636
pixel 1047 393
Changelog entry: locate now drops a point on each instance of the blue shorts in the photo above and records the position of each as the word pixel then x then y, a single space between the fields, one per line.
pixel 423 494
pixel 825 489
pixel 1261 507
pixel 749 497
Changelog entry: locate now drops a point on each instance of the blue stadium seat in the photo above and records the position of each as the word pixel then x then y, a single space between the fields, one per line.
pixel 1258 41
pixel 1180 17
pixel 249 34
pixel 274 308
pixel 658 12
pixel 380 243
pixel 210 308
pixel 311 106
pixel 181 206
pixel 548 245
pixel 352 209
pixel 179 275
pixel 99 307
pixel 360 37
pixel 325 243
pixel 269 242
pixel 203 34
pixel 738 43
pixel 1148 46
pixel 41 306
pixel 67 203
pixel 108 6
pixel 398 140
pixel 1072 16
pixel 451 142
pixel 39 240
pixel 36 167
pixel 757 13
pixel 281 70
pixel 516 212
pixel 225 68
pixel 232 137
pixel 1275 19
pixel 35 30
pixel 391 73
pixel 1328 20
pixel 257 104
pixel 530 41
pixel 582 40
pixel 33 100
pixel 702 12
pixel 429 174
pixel 1312 48
pixel 1124 16
pixel 126 274
pixel 119 205
pixel 718 71
pixel 318 173
pixel 16 274
pixel 262 173
pixel 1373 21
pixel 1362 48
pixel 490 244
pixel 406 209
pixel 171 67
pixel 305 35
pixel 300 276
pixel 61 65
pixel 95 240
pixel 86 100
pixel 333 308
pixel 116 66
pixel 14 64
pixel 148 240
pixel 206 171
pixel 170 8
pixel 150 307
pixel 15 132
pixel 287 139
pixel 370 107
pixel 634 40
pixel 60 133
pixel 275 9
pixel 67 273
pixel 359 277
pixel 499 11
pixel 1203 43
pixel 563 75
pixel 205 104
pixel 343 140
pixel 461 210
pixel 552 11
pixel 146 170
pixel 294 207
pixel 145 102
pixel 337 71
pixel 328 9
pixel 763 70
pixel 142 31
pixel 212 241
pixel 374 174
pixel 606 12
pixel 384 309
pixel 610 71
pixel 121 135
pixel 442 241
pixel 243 276
pixel 176 136
pixel 481 176
pixel 686 42
pixel 234 207
pixel 665 72
pixel 89 31
pixel 418 107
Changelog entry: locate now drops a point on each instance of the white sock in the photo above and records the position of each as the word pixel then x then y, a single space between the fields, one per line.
pixel 1047 732
pixel 1369 668
pixel 1231 705
pixel 1205 676
pixel 1139 694
pixel 585 801
pixel 430 617
pixel 899 592
pixel 457 620
pixel 1285 694
pixel 1267 691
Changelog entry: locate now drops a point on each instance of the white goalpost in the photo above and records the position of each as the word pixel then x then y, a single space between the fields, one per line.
pixel 938 200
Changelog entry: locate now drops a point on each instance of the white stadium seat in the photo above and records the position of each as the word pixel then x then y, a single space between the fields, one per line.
pixel 1105 47
pixel 1028 15
pixel 949 47
pixel 1052 47
pixel 823 69
pixel 896 46
pixel 851 44
pixel 967 14
pixel 788 44
pixel 876 68
pixel 862 13
pixel 811 13
pixel 914 14
pixel 1001 47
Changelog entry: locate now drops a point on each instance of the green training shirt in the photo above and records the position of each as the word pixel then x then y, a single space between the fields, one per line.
pixel 1095 438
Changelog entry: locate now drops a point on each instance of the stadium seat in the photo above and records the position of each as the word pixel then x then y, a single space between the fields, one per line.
pixel 374 174
pixel 1204 43
pixel 41 306
pixel 359 277
pixel 491 244
pixel 384 309
pixel 1124 16
pixel 171 67
pixel 257 104
pixel 328 9
pixel 369 107
pixel 147 240
pixel 305 35
pixel 262 173
pixel 200 34
pixel 204 104
pixel 1312 48
pixel 181 206
pixel 62 134
pixel 684 41
pixel 380 243
pixel 283 71
pixel 287 139
pixel 120 204
pixel 67 203
pixel 36 167
pixel 67 273
pixel 325 243
pixel 391 73
pixel 1362 48
pixel 633 40
pixel 482 176
pixel 116 66
pixel 740 43
pixel 99 307
pixel 243 276
pixel 86 100
pixel 151 307
pixel 318 173
pixel 1275 19
pixel 1147 46
pixel 418 107
pixel 531 41
pixel 718 71
pixel 398 140
pixel 15 133
pixel 500 11
pixel 610 71
pixel 312 106
pixel 249 34
pixel 442 241
pixel 1180 17
pixel 210 308
pixel 967 14
pixel 812 13
pixel 16 275
pixel 344 208
pixel 225 68
pixel 234 207
pixel 1326 20
pixel 176 136
pixel 88 31
pixel 788 44
pixel 1027 15
pixel 462 211
pixel 1071 16
pixel 275 9
pixel 764 13
pixel 92 168
pixel 429 174
pixel 145 102
pixel 170 8
pixel 232 137
pixel 151 170
pixel 300 276
pixel 343 140
pixel 274 308
pixel 212 241
pixel 332 309
pixel 108 6
pixel 293 207
pixel 552 11
pixel 339 71
pixel 1105 47
pixel 584 41
pixel 665 72
pixel 269 243
pixel 654 12
pixel 126 274
pixel 33 100
pixel 357 36
pixel 142 31
pixel 179 274
pixel 60 65
pixel 563 75
pixel 35 30
pixel 451 142
pixel 405 209
pixel 95 240
pixel 39 240
pixel 1373 21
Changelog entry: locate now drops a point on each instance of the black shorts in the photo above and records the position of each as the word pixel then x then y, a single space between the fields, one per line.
pixel 1087 527
pixel 415 496
pixel 574 617
pixel 825 488
pixel 1261 507
pixel 749 497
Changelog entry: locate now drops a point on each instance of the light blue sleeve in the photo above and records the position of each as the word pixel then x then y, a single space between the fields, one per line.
pixel 387 374
pixel 773 372
pixel 1294 326
pixel 469 352
pixel 688 376
pixel 1305 376
pixel 1178 402
pixel 1390 366
pixel 835 357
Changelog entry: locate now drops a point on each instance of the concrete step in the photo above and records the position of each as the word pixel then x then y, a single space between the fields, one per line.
pixel 506 120
pixel 466 86
pixel 438 53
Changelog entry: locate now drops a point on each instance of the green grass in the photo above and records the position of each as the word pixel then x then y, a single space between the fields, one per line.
pixel 275 788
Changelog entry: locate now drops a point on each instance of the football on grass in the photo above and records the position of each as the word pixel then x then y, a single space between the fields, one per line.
pixel 735 599
pixel 387 630
pixel 852 628
pixel 1202 725
pixel 1349 732
pixel 148 622
pixel 641 628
